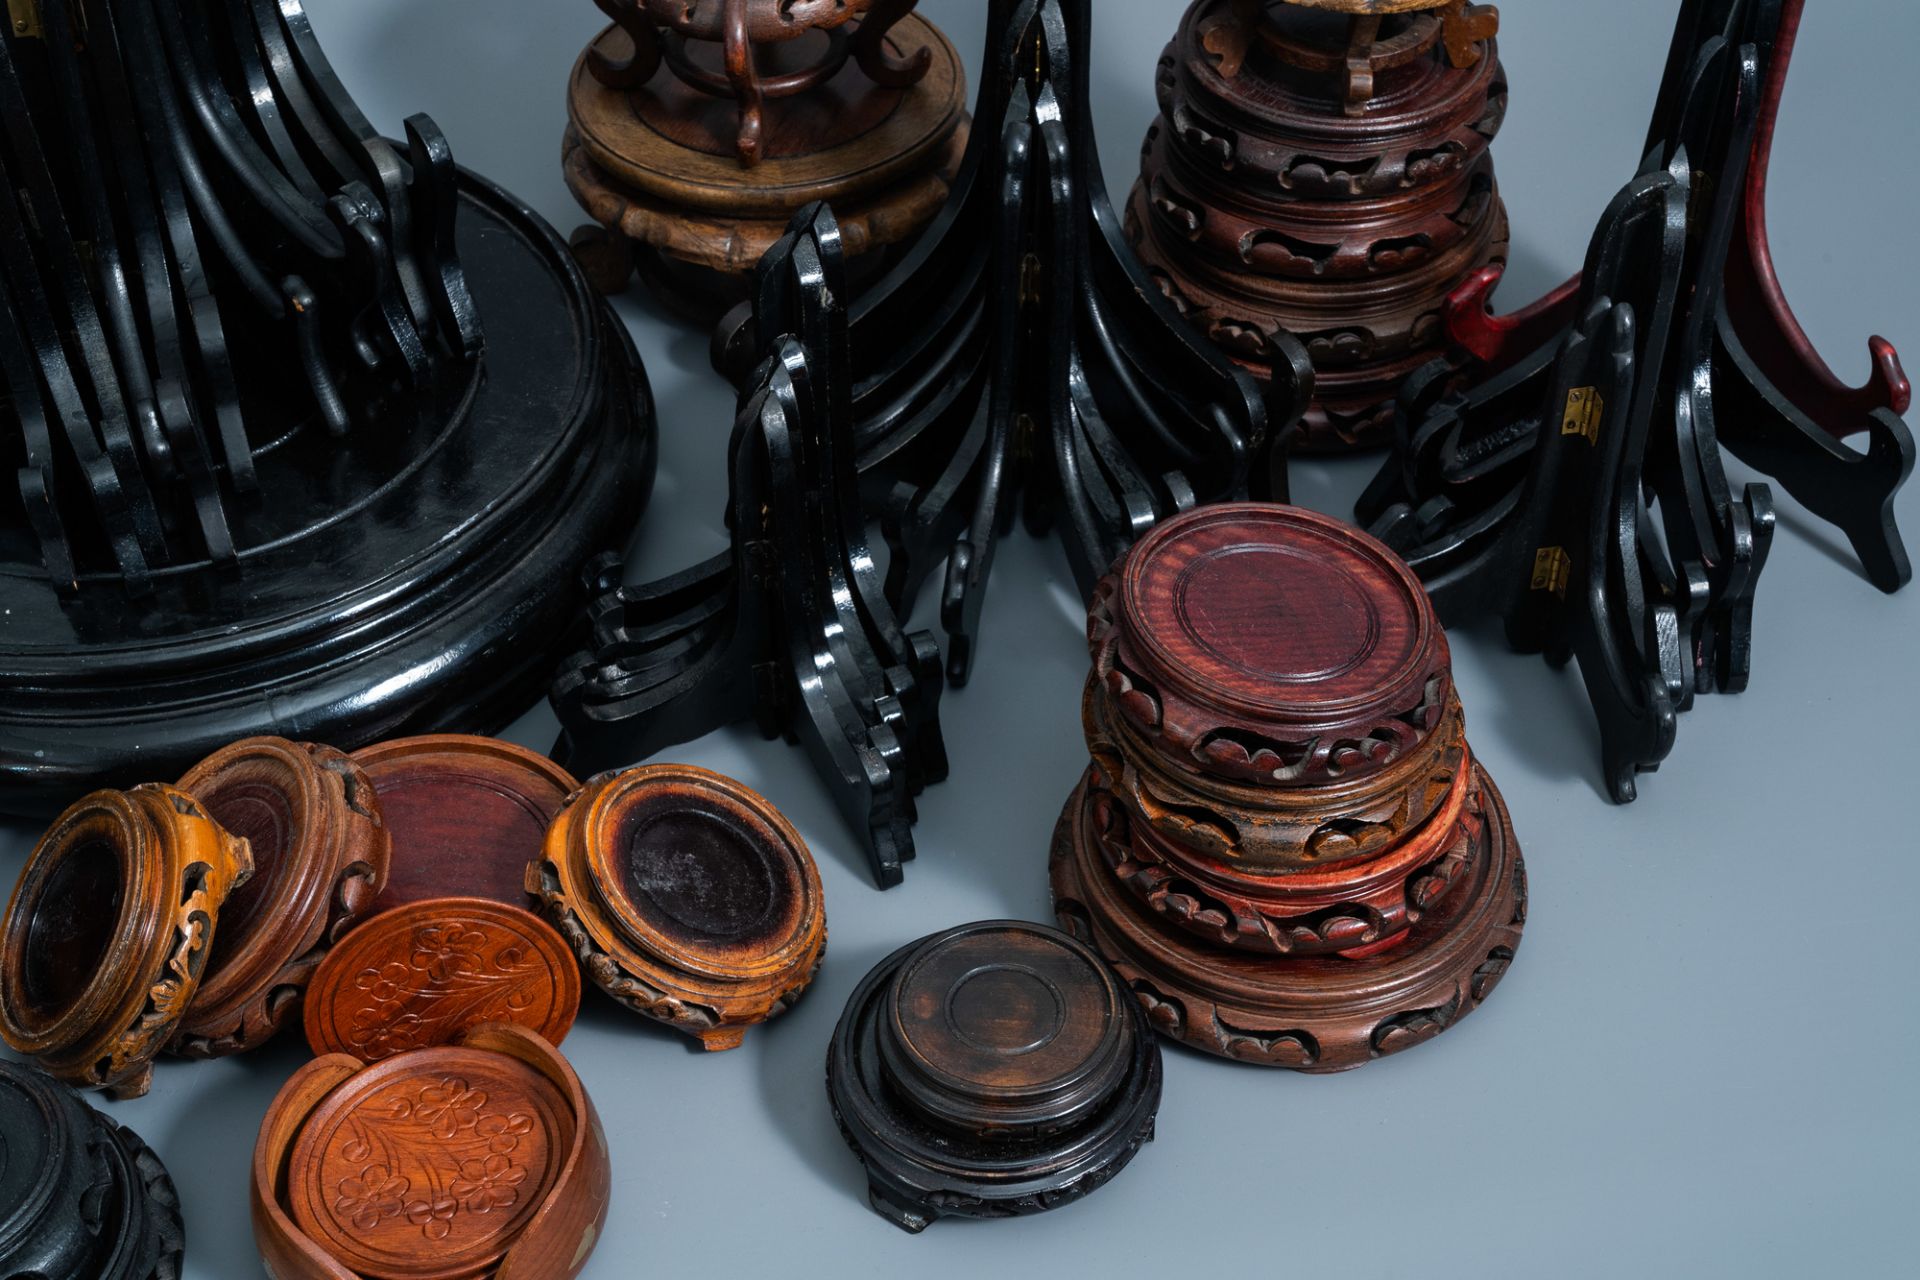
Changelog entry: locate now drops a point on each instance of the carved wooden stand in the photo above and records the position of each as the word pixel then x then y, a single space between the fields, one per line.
pixel 697 130
pixel 1322 167
pixel 687 897
pixel 81 1198
pixel 1018 353
pixel 255 467
pixel 107 935
pixel 990 1071
pixel 1283 844
pixel 1532 491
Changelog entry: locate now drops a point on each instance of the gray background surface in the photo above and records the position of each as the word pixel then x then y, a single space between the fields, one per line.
pixel 1700 1063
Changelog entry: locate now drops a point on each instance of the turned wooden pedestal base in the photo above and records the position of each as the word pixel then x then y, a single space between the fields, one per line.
pixel 991 1070
pixel 656 166
pixel 1318 1014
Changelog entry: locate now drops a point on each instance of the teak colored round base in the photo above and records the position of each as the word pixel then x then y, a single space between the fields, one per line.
pixel 422 974
pixel 991 1070
pixel 687 897
pixel 424 578
pixel 465 814
pixel 478 1159
pixel 656 165
pixel 80 1197
pixel 309 816
pixel 107 934
pixel 1316 1014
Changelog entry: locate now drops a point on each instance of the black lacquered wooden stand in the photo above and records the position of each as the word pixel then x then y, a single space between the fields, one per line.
pixel 312 429
pixel 1019 356
pixel 1573 482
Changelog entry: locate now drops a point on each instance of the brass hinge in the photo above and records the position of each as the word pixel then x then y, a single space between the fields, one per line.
pixel 1582 417
pixel 26 18
pixel 1552 570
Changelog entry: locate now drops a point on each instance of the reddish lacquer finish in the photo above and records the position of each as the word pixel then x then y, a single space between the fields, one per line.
pixel 1283 842
pixel 465 815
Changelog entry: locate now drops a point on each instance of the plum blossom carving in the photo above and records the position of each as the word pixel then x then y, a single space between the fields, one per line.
pixel 375 1193
pixel 488 1184
pixel 450 1106
pixel 444 950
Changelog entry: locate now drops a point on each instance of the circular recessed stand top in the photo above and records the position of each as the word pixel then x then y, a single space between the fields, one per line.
pixel 1270 644
pixel 990 1070
pixel 464 813
pixel 320 853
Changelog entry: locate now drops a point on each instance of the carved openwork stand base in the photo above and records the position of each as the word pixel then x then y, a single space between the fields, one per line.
pixel 656 161
pixel 1315 1014
pixel 1327 174
pixel 990 1071
pixel 81 1198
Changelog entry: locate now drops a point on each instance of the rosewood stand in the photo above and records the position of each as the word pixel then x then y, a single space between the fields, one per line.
pixel 1571 480
pixel 332 425
pixel 696 130
pixel 1323 167
pixel 1283 842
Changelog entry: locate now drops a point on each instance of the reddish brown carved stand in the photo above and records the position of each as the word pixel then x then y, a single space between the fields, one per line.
pixel 466 814
pixel 1322 166
pixel 1282 842
pixel 319 861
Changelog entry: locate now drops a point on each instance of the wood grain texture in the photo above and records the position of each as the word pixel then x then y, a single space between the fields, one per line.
pixel 1328 175
pixel 1314 1014
pixel 1272 830
pixel 464 814
pixel 991 1070
pixel 484 1157
pixel 422 974
pixel 657 162
pixel 80 1197
pixel 320 854
pixel 686 896
pixel 107 934
pixel 1270 645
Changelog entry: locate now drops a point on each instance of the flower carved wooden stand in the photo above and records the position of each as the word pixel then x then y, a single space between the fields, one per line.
pixel 1571 480
pixel 1323 167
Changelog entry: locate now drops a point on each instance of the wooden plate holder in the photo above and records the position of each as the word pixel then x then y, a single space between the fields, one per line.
pixel 553 1245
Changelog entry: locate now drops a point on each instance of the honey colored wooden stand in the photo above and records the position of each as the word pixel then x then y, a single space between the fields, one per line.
pixel 1323 167
pixel 697 130
pixel 108 931
pixel 687 897
pixel 1283 843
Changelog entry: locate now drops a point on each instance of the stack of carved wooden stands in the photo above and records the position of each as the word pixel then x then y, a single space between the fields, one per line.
pixel 698 127
pixel 1283 843
pixel 1322 167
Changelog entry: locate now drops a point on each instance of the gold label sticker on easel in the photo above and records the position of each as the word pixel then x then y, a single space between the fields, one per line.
pixel 1552 570
pixel 26 18
pixel 1583 413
